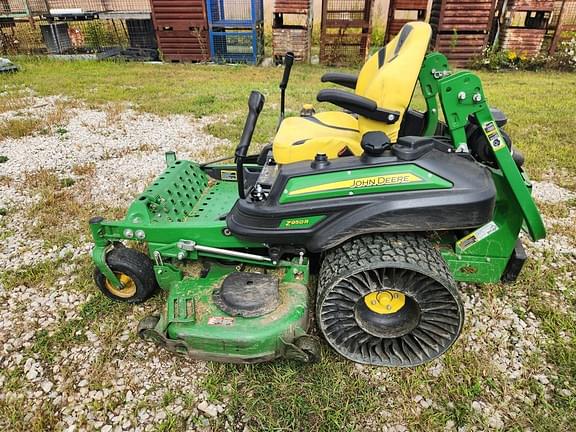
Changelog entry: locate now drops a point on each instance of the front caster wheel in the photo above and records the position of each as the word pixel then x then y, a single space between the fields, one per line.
pixel 136 272
pixel 388 300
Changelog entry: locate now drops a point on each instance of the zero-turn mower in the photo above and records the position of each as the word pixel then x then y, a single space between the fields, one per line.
pixel 384 206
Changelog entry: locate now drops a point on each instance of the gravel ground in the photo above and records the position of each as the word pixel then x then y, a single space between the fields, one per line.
pixel 119 383
pixel 127 152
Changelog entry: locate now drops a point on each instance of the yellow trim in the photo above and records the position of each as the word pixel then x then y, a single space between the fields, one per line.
pixel 128 286
pixel 385 302
pixel 383 180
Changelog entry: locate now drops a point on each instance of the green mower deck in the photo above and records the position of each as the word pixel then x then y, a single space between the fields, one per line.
pixel 192 323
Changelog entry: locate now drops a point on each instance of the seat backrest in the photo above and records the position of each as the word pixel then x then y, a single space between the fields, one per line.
pixel 393 84
pixel 369 70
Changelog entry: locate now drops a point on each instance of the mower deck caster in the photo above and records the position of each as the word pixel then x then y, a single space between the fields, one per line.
pixel 305 349
pixel 134 270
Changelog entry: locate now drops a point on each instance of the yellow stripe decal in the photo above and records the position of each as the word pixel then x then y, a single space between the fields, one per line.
pixel 363 182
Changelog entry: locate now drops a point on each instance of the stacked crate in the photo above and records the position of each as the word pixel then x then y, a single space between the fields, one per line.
pixel 292 29
pixel 181 30
pixel 345 31
pixel 461 28
pixel 525 24
pixel 236 29
pixel 563 23
pixel 402 11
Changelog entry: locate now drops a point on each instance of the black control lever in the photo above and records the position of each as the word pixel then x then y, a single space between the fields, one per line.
pixel 255 105
pixel 288 62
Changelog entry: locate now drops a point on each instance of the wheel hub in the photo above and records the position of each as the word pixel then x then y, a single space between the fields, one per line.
pixel 128 288
pixel 387 314
pixel 385 302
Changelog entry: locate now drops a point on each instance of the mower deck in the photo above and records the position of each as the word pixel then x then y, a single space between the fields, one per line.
pixel 193 323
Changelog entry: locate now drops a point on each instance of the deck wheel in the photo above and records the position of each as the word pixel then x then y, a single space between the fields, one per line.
pixel 134 270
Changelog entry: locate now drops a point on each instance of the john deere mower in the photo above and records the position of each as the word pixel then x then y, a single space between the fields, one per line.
pixel 371 213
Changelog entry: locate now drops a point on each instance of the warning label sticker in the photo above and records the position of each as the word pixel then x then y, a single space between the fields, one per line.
pixel 220 321
pixel 229 175
pixel 476 236
pixel 493 134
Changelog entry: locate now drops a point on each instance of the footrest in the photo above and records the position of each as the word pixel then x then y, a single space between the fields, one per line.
pixel 172 196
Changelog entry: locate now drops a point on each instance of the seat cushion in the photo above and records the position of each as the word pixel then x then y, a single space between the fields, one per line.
pixel 301 138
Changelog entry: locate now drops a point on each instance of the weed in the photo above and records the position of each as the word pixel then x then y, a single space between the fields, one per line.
pixel 3 159
pixel 67 182
pixel 84 170
pixel 19 127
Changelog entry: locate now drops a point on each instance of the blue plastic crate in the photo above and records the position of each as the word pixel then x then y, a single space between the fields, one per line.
pixel 237 45
pixel 235 13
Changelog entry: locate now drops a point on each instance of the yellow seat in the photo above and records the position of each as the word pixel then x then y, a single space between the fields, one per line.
pixel 334 133
pixel 387 78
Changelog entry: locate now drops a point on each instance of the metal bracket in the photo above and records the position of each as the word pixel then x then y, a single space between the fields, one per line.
pixel 170 158
pixel 167 275
pixel 153 329
pixel 434 67
pixel 306 348
pixel 461 95
pixel 99 257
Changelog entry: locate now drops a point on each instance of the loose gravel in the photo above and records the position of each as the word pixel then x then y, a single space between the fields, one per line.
pixel 142 386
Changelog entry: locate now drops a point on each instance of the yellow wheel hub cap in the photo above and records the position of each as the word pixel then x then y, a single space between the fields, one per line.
pixel 385 302
pixel 128 286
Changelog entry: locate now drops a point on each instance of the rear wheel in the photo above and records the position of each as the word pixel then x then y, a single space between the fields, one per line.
pixel 388 300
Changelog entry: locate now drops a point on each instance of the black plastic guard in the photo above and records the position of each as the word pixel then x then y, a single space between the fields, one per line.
pixel 468 204
pixel 515 264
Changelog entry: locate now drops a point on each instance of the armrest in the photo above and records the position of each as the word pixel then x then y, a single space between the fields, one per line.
pixel 343 79
pixel 358 105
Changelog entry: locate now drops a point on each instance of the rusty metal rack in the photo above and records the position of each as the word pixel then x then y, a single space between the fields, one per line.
pixel 563 23
pixel 345 31
pixel 292 29
pixel 182 30
pixel 21 8
pixel 524 24
pixel 402 11
pixel 102 28
pixel 461 28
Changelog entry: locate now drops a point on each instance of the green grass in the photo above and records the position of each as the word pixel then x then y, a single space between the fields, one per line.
pixel 333 394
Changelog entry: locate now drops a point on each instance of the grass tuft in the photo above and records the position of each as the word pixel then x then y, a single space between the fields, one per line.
pixel 19 127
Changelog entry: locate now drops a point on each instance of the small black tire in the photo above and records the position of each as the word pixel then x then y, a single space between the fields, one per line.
pixel 132 267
